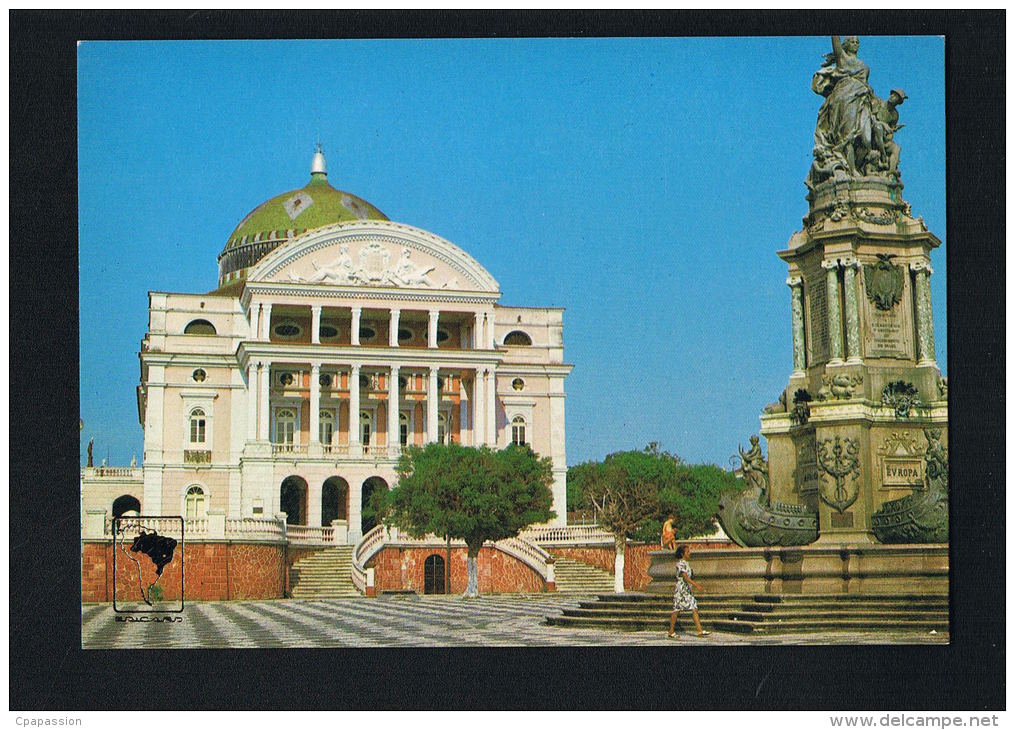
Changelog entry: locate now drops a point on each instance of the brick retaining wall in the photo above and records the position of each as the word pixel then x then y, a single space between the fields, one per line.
pixel 214 571
pixel 401 568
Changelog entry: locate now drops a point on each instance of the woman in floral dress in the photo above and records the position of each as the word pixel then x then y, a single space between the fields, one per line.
pixel 682 598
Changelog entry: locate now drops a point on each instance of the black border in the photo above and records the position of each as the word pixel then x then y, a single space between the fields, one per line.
pixel 50 671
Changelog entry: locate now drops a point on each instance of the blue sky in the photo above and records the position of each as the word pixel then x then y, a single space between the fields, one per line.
pixel 642 184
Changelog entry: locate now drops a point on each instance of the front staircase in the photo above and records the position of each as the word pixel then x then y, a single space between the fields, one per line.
pixel 323 574
pixel 765 614
pixel 575 577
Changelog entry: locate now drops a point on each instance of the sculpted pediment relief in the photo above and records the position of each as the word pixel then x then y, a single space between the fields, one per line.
pixel 356 258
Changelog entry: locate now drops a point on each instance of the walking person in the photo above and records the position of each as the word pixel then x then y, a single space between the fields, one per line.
pixel 682 598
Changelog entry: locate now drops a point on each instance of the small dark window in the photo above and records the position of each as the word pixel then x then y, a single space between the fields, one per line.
pixel 404 334
pixel 442 335
pixel 402 382
pixel 367 333
pixel 518 384
pixel 518 338
pixel 287 329
pixel 286 378
pixel 328 332
pixel 200 327
pixel 440 384
pixel 325 380
pixel 364 381
pixel 199 375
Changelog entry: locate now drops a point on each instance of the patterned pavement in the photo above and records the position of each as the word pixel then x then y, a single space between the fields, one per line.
pixel 419 621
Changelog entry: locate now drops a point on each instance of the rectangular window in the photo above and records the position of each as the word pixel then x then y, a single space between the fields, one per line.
pixel 197 430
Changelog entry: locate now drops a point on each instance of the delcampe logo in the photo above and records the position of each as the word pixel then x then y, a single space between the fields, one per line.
pixel 148 564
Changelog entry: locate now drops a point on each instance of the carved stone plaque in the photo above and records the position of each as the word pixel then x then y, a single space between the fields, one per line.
pixel 900 472
pixel 817 316
pixel 841 520
pixel 806 474
pixel 889 333
pixel 901 461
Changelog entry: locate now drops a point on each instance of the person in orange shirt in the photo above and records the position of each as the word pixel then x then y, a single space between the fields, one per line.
pixel 669 539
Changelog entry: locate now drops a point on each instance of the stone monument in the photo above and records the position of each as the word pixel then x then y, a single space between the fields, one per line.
pixel 857 441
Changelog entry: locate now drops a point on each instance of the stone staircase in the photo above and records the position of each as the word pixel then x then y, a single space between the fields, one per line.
pixel 575 577
pixel 324 574
pixel 764 614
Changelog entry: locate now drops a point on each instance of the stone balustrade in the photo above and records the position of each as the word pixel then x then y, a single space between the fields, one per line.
pixel 570 535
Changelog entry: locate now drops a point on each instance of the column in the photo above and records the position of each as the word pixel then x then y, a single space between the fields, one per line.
pixel 263 406
pixel 394 443
pixel 355 510
pixel 354 330
pixel 924 316
pixel 355 448
pixel 490 344
pixel 491 407
pixel 463 411
pixel 796 288
pixel 265 319
pixel 255 310
pixel 431 407
pixel 393 329
pixel 477 332
pixel 852 312
pixel 315 326
pixel 834 318
pixel 315 488
pixel 315 406
pixel 432 329
pixel 251 401
pixel 478 419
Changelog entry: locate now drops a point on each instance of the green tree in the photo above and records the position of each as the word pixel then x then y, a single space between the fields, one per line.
pixel 471 494
pixel 624 490
pixel 633 491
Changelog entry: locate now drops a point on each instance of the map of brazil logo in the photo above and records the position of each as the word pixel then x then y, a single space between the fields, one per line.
pixel 148 564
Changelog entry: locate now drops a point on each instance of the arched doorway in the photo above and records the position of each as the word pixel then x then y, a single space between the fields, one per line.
pixel 433 574
pixel 126 503
pixel 334 495
pixel 293 500
pixel 368 515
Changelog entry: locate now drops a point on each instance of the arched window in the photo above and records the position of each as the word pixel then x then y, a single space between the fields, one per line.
pixel 195 503
pixel 518 430
pixel 285 426
pixel 442 428
pixel 327 428
pixel 518 338
pixel 403 429
pixel 126 504
pixel 197 426
pixel 200 327
pixel 365 423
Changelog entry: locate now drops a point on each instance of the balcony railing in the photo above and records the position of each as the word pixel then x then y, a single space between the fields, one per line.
pixel 570 535
pixel 289 449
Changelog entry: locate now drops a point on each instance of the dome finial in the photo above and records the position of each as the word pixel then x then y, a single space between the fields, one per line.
pixel 319 166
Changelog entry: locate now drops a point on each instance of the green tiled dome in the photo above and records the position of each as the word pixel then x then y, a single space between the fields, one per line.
pixel 286 216
pixel 314 205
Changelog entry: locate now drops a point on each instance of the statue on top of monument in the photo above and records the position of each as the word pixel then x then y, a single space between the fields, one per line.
pixel 855 128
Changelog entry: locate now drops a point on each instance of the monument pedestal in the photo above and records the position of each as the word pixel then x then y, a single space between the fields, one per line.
pixel 812 569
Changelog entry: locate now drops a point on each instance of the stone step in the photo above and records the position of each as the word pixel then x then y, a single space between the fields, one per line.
pixel 746 627
pixel 324 574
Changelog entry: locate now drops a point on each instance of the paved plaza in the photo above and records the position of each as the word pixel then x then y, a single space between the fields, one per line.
pixel 418 621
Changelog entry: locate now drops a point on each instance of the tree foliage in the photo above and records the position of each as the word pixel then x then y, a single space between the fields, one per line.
pixel 633 491
pixel 471 494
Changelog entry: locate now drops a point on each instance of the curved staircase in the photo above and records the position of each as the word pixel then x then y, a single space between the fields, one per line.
pixel 324 574
pixel 575 577
pixel 764 614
